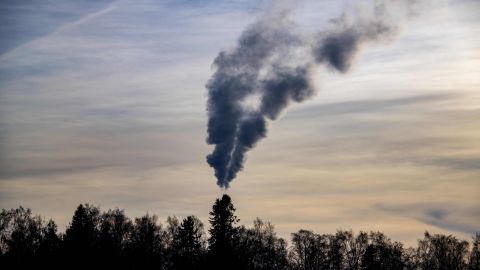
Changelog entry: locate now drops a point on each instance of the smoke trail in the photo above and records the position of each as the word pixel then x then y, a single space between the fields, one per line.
pixel 273 64
pixel 338 48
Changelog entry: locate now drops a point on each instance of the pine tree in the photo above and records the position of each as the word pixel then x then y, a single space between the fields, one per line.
pixel 147 246
pixel 222 232
pixel 190 244
pixel 81 237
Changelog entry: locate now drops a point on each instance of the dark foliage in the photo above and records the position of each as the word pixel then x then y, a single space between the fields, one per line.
pixel 222 234
pixel 189 245
pixel 110 240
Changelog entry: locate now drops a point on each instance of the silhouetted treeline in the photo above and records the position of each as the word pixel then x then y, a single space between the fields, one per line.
pixel 110 240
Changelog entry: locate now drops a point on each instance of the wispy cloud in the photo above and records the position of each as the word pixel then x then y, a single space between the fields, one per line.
pixel 449 216
pixel 11 52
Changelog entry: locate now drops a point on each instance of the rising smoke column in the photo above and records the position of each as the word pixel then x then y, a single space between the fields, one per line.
pixel 273 64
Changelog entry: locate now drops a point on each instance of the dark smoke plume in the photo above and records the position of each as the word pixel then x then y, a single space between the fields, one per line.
pixel 271 67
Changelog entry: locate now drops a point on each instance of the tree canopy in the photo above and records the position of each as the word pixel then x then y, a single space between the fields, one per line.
pixel 111 240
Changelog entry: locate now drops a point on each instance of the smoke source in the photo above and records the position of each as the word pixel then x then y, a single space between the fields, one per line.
pixel 271 67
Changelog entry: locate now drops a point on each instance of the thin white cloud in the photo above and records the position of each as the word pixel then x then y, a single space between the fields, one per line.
pixel 14 52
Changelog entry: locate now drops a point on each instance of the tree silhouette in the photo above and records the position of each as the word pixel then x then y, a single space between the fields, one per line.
pixel 381 253
pixel 357 246
pixel 308 251
pixel 260 248
pixel 222 234
pixel 21 234
pixel 115 229
pixel 81 237
pixel 110 240
pixel 49 248
pixel 147 245
pixel 442 252
pixel 474 262
pixel 338 250
pixel 189 245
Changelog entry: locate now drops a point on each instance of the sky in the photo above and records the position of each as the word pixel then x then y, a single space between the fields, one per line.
pixel 104 102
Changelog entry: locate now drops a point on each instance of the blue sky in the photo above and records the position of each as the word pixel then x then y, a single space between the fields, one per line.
pixel 104 102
